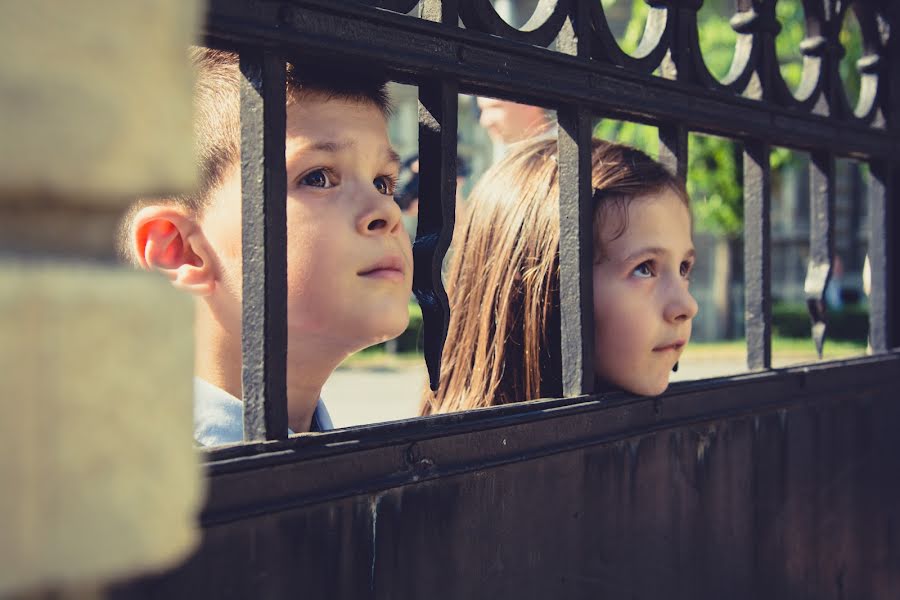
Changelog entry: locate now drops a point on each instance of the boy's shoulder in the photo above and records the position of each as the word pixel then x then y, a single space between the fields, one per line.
pixel 219 416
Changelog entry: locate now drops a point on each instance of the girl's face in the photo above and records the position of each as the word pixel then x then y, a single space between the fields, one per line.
pixel 642 306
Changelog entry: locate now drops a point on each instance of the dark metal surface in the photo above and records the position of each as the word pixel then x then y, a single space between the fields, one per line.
pixel 576 276
pixel 757 261
pixel 883 228
pixel 773 485
pixel 673 149
pixel 437 210
pixel 264 232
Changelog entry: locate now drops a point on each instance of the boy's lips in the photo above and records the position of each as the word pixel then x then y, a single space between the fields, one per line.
pixel 674 346
pixel 391 268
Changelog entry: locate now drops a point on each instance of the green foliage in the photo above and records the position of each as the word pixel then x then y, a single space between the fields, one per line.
pixel 643 137
pixel 714 184
pixel 787 44
pixel 717 38
pixel 851 323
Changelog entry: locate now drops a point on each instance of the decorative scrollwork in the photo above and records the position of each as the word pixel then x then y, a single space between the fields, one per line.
pixel 671 38
pixel 541 29
pixel 868 66
pixel 650 51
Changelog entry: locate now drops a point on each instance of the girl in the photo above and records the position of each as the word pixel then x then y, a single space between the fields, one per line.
pixel 503 340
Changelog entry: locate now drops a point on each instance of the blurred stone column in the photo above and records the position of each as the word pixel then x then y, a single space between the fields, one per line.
pixel 100 479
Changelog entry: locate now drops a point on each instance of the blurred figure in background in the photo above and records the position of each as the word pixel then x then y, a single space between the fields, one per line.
pixel 508 122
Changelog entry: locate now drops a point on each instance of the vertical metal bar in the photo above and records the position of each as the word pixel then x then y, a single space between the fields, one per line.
pixel 576 209
pixel 576 283
pixel 882 256
pixel 264 238
pixel 437 211
pixel 673 149
pixel 757 271
pixel 821 241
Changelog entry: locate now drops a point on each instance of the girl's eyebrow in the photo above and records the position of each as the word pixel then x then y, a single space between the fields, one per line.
pixel 656 251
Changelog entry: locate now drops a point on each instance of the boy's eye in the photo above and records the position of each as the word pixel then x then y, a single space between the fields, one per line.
pixel 643 270
pixel 318 178
pixel 385 184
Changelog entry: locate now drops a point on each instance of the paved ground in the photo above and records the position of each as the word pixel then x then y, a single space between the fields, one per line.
pixel 357 396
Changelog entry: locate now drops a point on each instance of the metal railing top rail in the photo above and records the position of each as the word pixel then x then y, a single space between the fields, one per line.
pixel 496 59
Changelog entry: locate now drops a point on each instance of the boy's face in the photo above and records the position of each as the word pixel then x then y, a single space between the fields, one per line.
pixel 349 258
pixel 642 306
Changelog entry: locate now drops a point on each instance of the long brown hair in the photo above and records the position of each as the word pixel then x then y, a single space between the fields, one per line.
pixel 503 340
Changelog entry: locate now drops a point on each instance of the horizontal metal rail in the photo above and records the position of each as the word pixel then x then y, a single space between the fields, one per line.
pixel 416 48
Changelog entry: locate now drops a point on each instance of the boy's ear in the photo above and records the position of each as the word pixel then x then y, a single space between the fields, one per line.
pixel 166 239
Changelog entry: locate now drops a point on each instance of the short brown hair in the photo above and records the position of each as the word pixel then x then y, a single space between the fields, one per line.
pixel 503 340
pixel 217 124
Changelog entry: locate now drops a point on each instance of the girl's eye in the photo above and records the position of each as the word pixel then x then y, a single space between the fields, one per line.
pixel 686 268
pixel 385 184
pixel 643 270
pixel 318 178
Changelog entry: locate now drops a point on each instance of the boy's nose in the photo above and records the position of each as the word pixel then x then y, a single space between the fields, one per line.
pixel 382 216
pixel 681 306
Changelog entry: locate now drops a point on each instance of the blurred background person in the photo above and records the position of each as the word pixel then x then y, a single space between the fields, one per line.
pixel 508 122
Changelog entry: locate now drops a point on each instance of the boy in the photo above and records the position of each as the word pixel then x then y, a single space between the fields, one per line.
pixel 349 258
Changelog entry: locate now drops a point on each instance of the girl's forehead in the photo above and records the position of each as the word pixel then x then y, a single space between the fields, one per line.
pixel 661 219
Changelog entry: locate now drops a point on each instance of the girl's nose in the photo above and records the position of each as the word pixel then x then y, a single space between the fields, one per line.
pixel 681 305
pixel 381 215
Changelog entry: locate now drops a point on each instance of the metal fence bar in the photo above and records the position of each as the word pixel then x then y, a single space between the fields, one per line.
pixel 264 239
pixel 757 253
pixel 437 210
pixel 882 256
pixel 821 241
pixel 576 283
pixel 576 222
pixel 673 149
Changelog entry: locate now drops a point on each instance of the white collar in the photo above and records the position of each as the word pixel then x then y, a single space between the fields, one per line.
pixel 219 416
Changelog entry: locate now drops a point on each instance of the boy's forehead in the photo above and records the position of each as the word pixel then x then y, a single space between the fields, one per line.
pixel 317 124
pixel 320 116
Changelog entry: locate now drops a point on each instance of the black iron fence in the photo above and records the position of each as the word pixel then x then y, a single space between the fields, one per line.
pixel 778 484
pixel 585 75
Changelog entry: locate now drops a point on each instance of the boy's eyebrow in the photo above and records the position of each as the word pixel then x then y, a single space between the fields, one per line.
pixel 656 251
pixel 333 147
pixel 392 155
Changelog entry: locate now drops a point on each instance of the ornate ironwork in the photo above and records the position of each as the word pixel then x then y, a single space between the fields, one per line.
pixel 566 57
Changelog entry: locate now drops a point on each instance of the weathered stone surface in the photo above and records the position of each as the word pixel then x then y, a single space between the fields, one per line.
pixel 95 99
pixel 100 478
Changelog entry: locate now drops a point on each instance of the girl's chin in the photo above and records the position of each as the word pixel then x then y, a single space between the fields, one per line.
pixel 646 388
